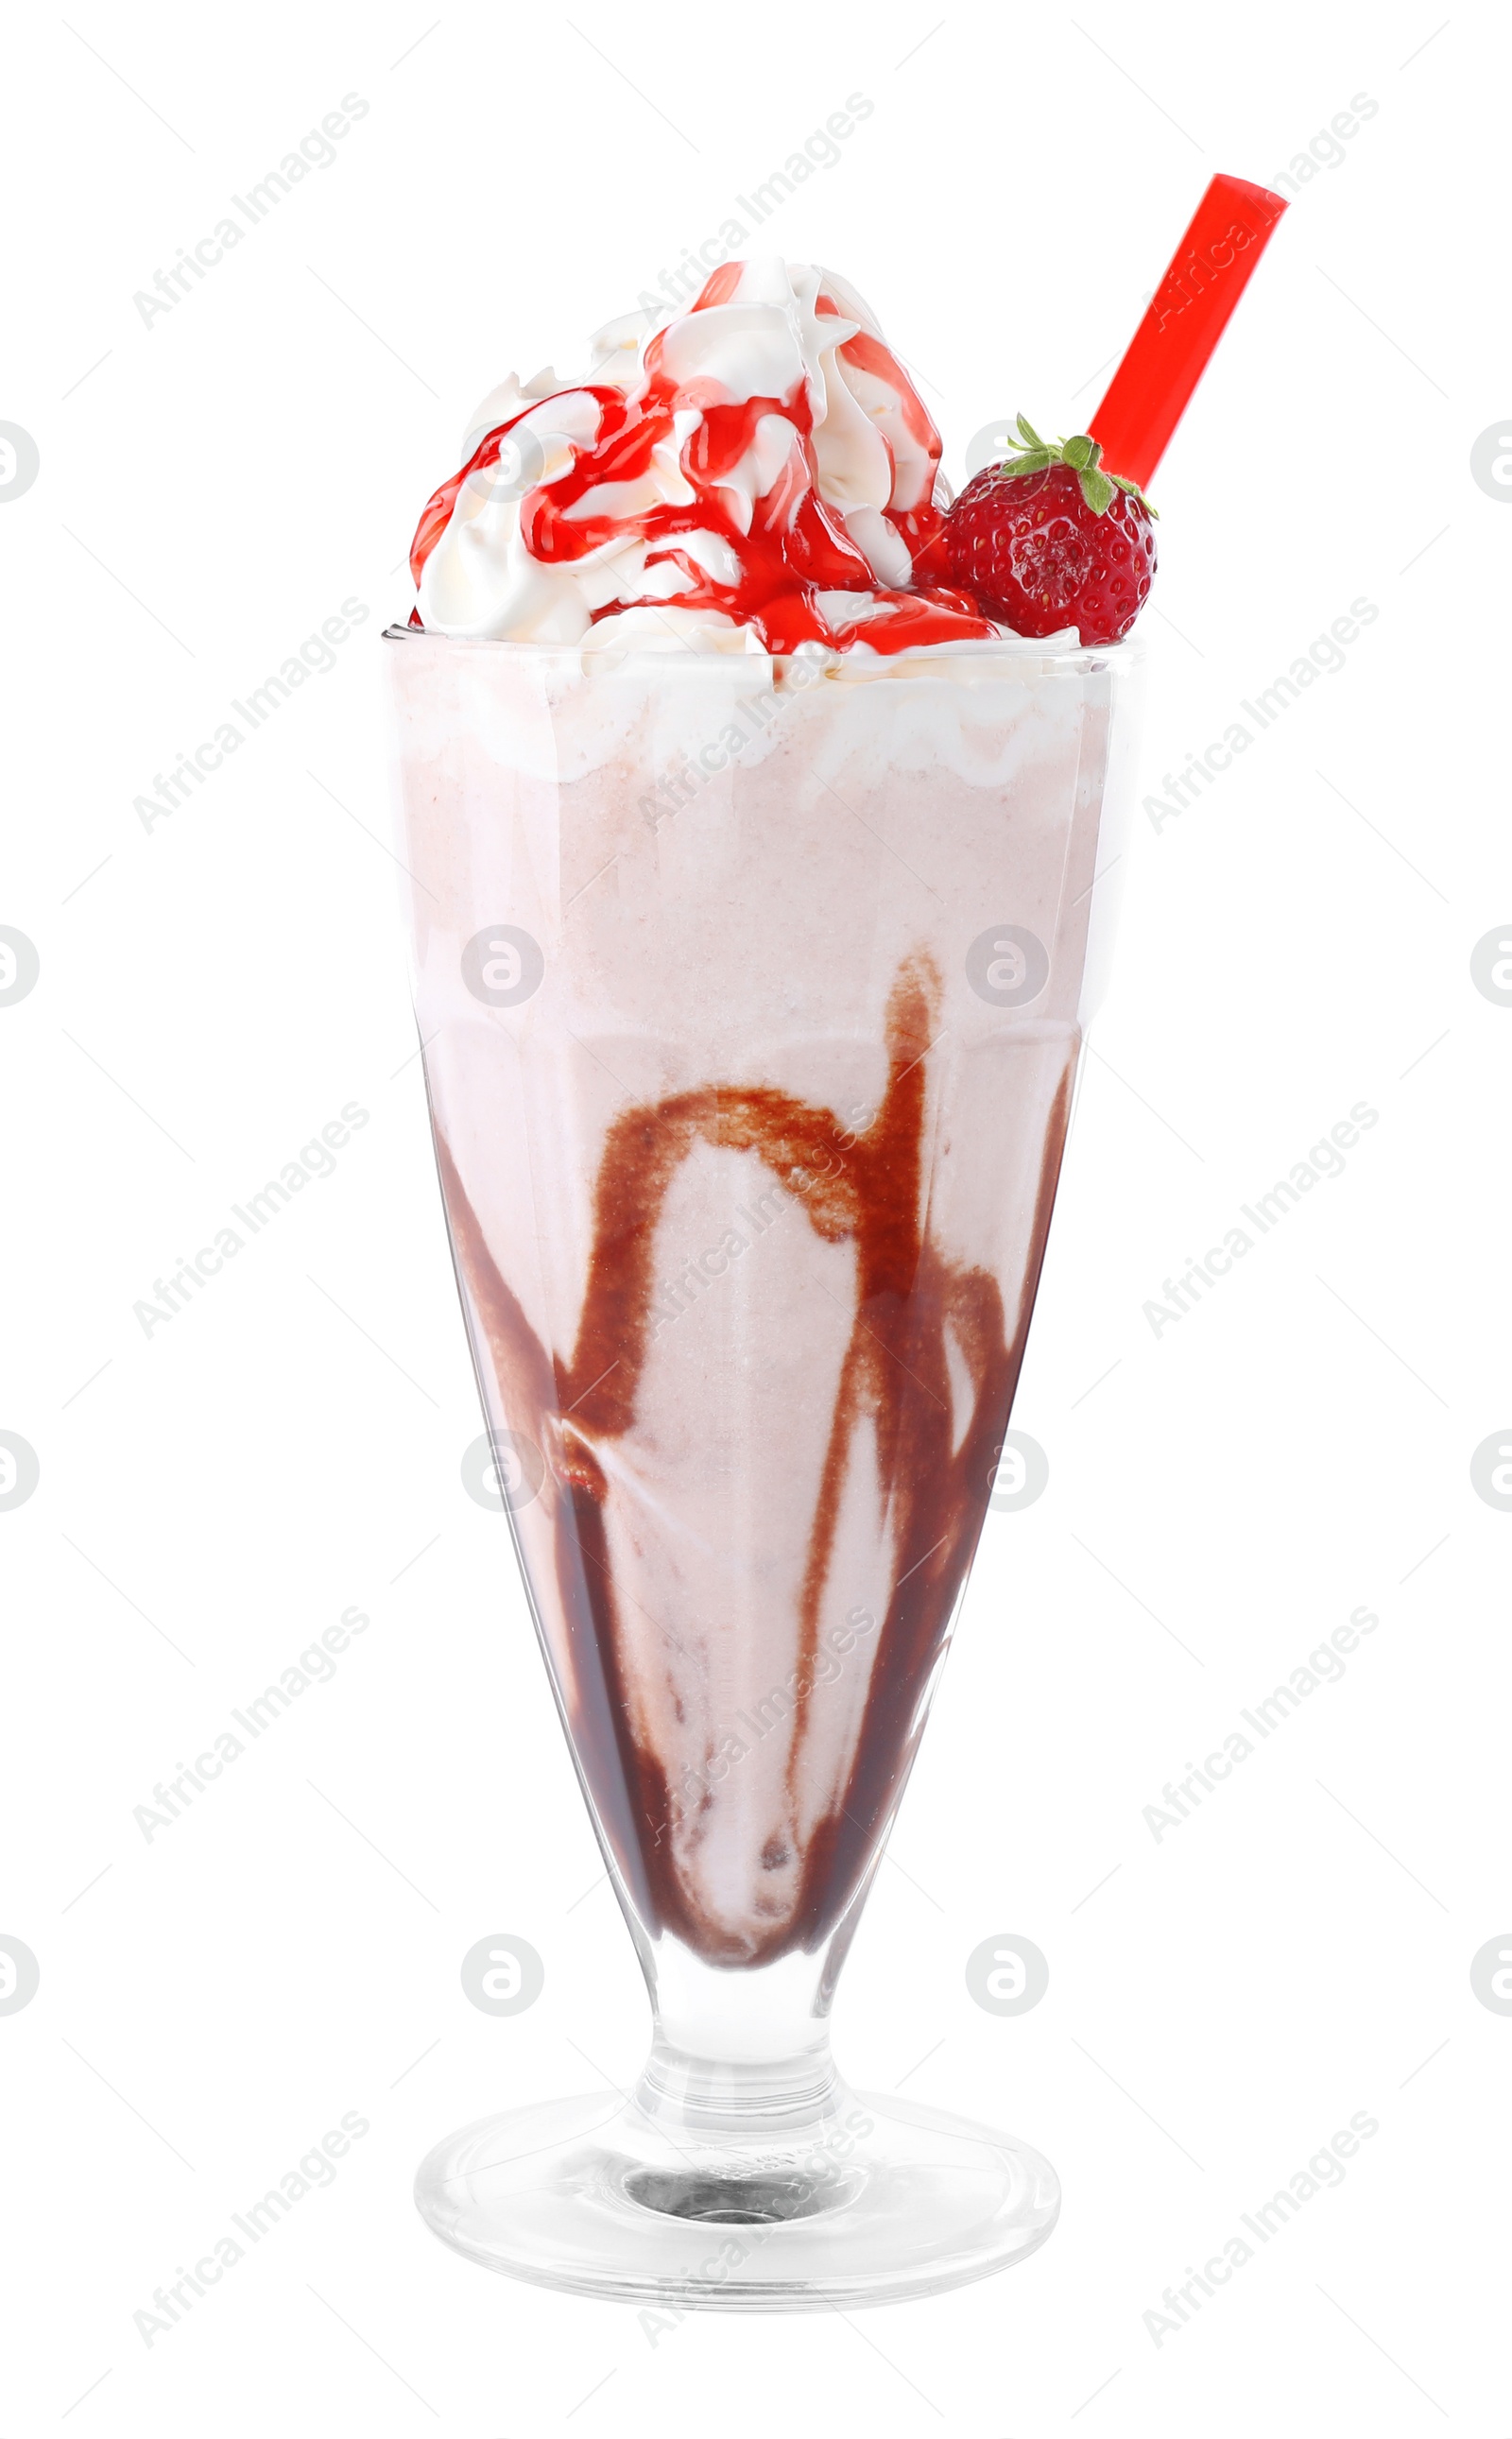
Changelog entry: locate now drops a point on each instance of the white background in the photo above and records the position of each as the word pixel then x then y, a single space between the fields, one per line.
pixel 1221 1497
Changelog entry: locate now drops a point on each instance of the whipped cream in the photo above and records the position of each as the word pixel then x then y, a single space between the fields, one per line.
pixel 751 474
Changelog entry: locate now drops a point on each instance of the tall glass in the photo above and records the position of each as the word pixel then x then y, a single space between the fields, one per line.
pixel 752 994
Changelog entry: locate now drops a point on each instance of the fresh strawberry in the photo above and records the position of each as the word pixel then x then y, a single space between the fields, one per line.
pixel 1050 539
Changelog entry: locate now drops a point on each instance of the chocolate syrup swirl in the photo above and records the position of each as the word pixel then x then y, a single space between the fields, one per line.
pixel 870 1190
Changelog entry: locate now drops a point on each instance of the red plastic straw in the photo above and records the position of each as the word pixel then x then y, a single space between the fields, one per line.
pixel 1165 360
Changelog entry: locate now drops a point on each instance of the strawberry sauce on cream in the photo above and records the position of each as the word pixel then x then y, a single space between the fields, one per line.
pixel 755 473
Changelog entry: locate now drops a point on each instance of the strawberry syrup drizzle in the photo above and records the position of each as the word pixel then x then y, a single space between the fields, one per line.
pixel 933 1476
pixel 796 545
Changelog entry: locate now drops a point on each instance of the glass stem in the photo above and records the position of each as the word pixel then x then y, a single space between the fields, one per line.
pixel 738 2050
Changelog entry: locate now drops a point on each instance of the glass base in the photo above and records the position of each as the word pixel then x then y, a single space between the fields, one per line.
pixel 875 2201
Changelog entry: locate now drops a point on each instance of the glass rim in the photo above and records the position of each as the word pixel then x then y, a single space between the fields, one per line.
pixel 995 654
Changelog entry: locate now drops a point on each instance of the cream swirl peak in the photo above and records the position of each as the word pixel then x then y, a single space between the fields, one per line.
pixel 751 474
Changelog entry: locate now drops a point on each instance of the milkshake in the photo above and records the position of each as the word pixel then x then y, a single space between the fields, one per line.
pixel 761 806
pixel 748 1160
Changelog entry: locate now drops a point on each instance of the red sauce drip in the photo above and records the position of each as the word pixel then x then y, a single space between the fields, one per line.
pixel 923 531
pixel 873 356
pixel 436 514
pixel 867 1190
pixel 796 545
pixel 719 286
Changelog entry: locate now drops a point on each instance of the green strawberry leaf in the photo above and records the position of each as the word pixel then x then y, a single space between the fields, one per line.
pixel 1135 493
pixel 1083 454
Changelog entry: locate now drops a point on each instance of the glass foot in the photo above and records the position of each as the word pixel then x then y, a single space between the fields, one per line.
pixel 876 2201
